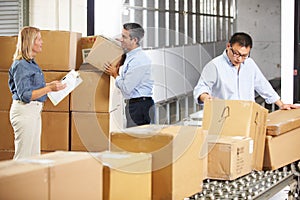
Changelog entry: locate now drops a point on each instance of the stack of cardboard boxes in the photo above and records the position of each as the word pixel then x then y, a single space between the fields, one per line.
pixel 7 49
pixel 283 138
pixel 90 101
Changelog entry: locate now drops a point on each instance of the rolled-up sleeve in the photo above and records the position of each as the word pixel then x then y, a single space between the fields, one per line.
pixel 23 85
pixel 206 81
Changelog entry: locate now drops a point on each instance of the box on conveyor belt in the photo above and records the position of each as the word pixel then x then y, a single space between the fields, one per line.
pixel 104 50
pixel 57 175
pixel 126 175
pixel 282 150
pixel 61 50
pixel 282 121
pixel 229 157
pixel 238 118
pixel 178 164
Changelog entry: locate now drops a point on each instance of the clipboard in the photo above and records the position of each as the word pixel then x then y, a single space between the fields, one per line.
pixel 72 80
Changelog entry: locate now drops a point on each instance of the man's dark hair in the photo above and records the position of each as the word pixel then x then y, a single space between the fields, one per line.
pixel 243 39
pixel 135 31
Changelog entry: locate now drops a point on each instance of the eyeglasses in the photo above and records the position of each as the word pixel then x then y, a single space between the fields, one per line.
pixel 237 54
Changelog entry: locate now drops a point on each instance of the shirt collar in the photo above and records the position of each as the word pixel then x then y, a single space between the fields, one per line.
pixel 133 51
pixel 227 58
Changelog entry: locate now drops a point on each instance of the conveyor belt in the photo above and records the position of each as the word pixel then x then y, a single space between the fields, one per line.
pixel 258 185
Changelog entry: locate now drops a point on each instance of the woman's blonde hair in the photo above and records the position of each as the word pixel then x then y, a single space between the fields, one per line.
pixel 26 38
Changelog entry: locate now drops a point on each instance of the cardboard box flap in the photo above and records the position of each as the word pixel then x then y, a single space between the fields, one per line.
pixel 282 121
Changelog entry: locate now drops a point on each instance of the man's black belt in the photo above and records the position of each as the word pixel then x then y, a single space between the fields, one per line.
pixel 139 99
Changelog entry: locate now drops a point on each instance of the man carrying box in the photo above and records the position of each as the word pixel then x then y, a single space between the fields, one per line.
pixel 134 80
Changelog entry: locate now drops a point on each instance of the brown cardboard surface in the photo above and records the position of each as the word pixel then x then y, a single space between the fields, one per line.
pixel 109 50
pixel 282 121
pixel 6 132
pixel 126 174
pixel 6 96
pixel 22 180
pixel 64 105
pixel 7 49
pixel 282 150
pixel 177 163
pixel 92 94
pixel 60 50
pixel 6 154
pixel 229 157
pixel 238 118
pixel 89 131
pixel 72 175
pixel 55 131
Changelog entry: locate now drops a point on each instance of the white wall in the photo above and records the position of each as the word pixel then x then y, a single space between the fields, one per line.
pixel 67 15
pixel 261 19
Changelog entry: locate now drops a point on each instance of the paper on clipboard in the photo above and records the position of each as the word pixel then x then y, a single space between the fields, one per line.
pixel 72 80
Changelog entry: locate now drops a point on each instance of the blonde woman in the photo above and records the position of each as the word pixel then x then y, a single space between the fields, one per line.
pixel 29 91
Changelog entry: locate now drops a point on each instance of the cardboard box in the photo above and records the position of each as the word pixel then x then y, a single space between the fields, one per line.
pixel 23 181
pixel 126 175
pixel 7 49
pixel 110 51
pixel 72 175
pixel 177 164
pixel 89 131
pixel 282 121
pixel 229 157
pixel 55 131
pixel 60 51
pixel 86 46
pixel 88 42
pixel 6 154
pixel 92 95
pixel 6 96
pixel 64 105
pixel 238 118
pixel 6 132
pixel 282 150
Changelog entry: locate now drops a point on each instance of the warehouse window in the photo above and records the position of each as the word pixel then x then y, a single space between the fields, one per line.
pixel 13 15
pixel 182 22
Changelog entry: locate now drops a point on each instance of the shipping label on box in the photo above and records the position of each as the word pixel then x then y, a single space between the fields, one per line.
pixel 238 118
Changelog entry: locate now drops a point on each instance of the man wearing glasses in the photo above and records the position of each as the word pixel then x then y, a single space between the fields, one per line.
pixel 235 76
